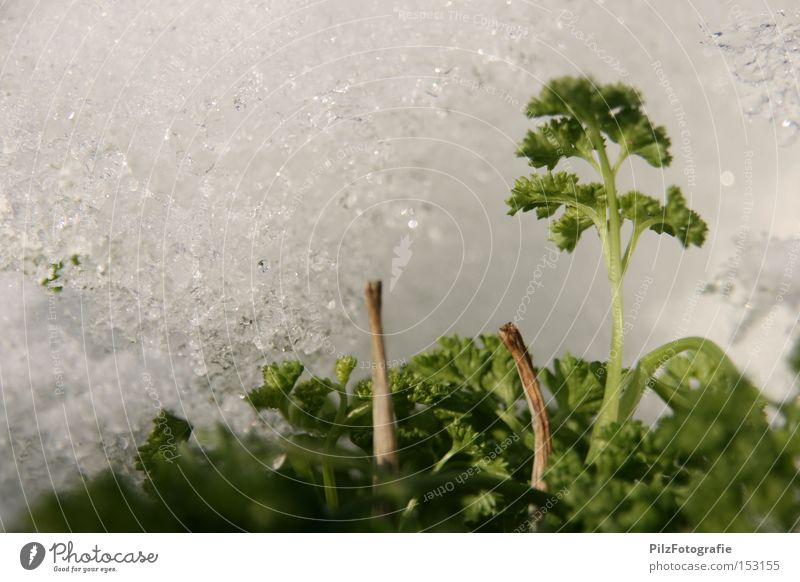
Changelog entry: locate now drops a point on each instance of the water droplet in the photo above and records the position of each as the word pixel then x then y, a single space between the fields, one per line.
pixel 412 224
pixel 727 178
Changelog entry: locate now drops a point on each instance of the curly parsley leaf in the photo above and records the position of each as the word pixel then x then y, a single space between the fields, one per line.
pixel 547 193
pixel 567 230
pixel 674 219
pixel 279 380
pixel 635 133
pixel 500 376
pixel 344 367
pixel 554 140
pixel 617 110
pixel 311 395
pixel 168 433
pixel 576 384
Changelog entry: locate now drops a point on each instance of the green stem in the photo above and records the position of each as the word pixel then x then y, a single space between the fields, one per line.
pixel 651 362
pixel 609 409
pixel 623 155
pixel 449 455
pixel 637 231
pixel 407 516
pixel 328 472
pixel 626 258
pixel 672 395
pixel 661 355
pixel 329 482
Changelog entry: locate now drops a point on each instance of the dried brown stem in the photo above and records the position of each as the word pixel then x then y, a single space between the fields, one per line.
pixel 384 437
pixel 541 425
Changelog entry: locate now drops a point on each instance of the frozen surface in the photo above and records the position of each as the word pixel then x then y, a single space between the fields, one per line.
pixel 228 175
pixel 762 51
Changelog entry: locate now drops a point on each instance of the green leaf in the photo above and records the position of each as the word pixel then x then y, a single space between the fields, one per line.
pixel 168 433
pixel 545 193
pixel 634 131
pixel 465 438
pixel 557 139
pixel 638 207
pixel 429 393
pixel 363 390
pixel 631 487
pixel 465 355
pixel 616 110
pixel 566 231
pixel 279 379
pixel 739 476
pixel 469 442
pixel 674 219
pixel 501 378
pixel 436 367
pixel 310 396
pixel 344 367
pixel 577 97
pixel 577 385
pixel 482 505
pixel 462 368
pixel 681 222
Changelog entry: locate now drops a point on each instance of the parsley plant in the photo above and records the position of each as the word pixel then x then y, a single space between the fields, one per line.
pixel 581 119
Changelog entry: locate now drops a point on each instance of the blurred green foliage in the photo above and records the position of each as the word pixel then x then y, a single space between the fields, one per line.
pixel 724 460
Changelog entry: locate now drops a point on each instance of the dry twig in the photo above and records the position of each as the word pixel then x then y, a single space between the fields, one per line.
pixel 384 433
pixel 541 425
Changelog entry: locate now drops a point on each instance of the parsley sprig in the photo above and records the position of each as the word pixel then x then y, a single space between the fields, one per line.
pixel 581 119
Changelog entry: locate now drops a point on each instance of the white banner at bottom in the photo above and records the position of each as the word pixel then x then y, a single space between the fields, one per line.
pixel 399 557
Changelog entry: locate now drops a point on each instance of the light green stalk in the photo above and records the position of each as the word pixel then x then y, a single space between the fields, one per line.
pixel 328 472
pixel 610 235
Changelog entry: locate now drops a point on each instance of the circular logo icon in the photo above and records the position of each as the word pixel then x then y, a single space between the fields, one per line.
pixel 31 555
